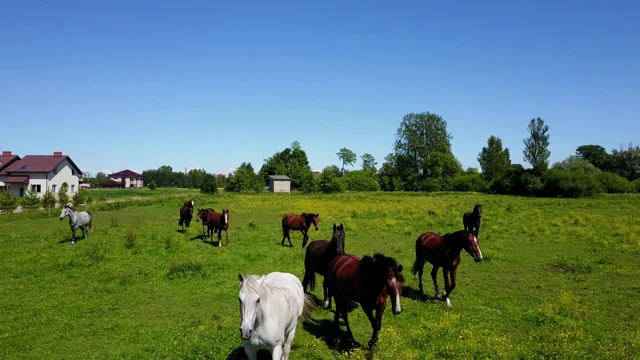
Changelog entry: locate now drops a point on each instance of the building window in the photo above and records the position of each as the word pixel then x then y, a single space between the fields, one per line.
pixel 36 188
pixel 53 188
pixel 73 189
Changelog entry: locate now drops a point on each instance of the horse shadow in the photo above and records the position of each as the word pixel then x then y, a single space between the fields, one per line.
pixel 326 330
pixel 414 294
pixel 239 354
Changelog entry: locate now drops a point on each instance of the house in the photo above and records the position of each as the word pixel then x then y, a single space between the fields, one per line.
pixel 41 173
pixel 124 179
pixel 279 183
pixel 5 160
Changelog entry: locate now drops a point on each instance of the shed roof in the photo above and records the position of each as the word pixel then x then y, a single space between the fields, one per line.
pixel 17 180
pixel 280 177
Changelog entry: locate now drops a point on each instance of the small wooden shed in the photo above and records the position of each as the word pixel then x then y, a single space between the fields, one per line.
pixel 279 183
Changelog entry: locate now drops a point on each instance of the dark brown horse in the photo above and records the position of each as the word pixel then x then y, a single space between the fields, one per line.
pixel 317 258
pixel 444 252
pixel 215 222
pixel 368 281
pixel 471 219
pixel 186 214
pixel 300 222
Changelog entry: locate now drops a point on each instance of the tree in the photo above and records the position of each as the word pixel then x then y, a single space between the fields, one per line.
pixel 576 164
pixel 8 202
pixel 79 198
pixel 48 201
pixel 63 197
pixel 626 162
pixel 208 184
pixel 245 180
pixel 291 162
pixel 596 155
pixel 368 163
pixel 30 200
pixel 347 157
pixel 536 146
pixel 422 142
pixel 493 159
pixel 196 178
pixel 330 182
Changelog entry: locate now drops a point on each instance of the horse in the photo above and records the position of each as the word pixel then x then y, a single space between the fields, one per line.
pixel 186 214
pixel 77 220
pixel 367 281
pixel 270 308
pixel 317 258
pixel 443 251
pixel 300 222
pixel 471 219
pixel 215 222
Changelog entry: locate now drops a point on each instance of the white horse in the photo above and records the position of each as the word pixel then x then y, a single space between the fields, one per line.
pixel 77 220
pixel 270 308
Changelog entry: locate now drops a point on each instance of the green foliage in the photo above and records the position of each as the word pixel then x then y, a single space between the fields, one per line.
pixel 63 196
pixel 626 162
pixel 360 180
pixel 614 184
pixel 196 178
pixel 152 185
pixel 470 182
pixel 8 202
pixel 570 184
pixel 79 198
pixel 347 157
pixel 596 155
pixel 369 163
pixel 48 199
pixel 329 182
pixel 30 200
pixel 291 162
pixel 209 184
pixel 536 146
pixel 245 180
pixel 576 164
pixel 493 159
pixel 164 176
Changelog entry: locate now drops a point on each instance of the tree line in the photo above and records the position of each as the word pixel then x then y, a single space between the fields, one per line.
pixel 422 160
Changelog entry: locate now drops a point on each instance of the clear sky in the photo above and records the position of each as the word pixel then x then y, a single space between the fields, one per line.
pixel 212 84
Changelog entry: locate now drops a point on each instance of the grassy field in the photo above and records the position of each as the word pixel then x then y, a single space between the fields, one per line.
pixel 559 280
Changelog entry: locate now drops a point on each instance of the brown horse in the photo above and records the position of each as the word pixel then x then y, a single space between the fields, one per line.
pixel 186 214
pixel 215 222
pixel 444 252
pixel 368 281
pixel 471 219
pixel 300 222
pixel 317 258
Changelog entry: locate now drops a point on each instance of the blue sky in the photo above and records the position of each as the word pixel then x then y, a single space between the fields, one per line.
pixel 211 84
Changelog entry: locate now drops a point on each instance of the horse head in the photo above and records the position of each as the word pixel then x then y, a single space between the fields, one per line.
pixel 201 213
pixel 66 211
pixel 472 246
pixel 225 217
pixel 394 284
pixel 478 210
pixel 249 298
pixel 315 220
pixel 338 238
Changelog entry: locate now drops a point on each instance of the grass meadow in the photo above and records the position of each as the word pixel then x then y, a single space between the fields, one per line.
pixel 560 278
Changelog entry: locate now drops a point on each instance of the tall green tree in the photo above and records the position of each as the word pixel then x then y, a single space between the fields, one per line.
pixel 536 146
pixel 8 202
pixel 596 155
pixel 30 200
pixel 422 150
pixel 347 157
pixel 48 201
pixel 368 163
pixel 493 159
pixel 626 162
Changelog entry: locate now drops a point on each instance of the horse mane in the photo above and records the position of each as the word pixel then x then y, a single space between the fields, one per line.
pixel 378 265
pixel 449 239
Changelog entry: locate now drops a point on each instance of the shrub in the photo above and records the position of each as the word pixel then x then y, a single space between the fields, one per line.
pixel 8 202
pixel 153 185
pixel 560 183
pixel 30 200
pixel 614 184
pixel 360 181
pixel 471 182
pixel 63 197
pixel 79 198
pixel 330 183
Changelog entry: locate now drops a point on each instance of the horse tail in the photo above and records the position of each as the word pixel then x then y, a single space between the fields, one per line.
pixel 309 309
pixel 418 264
pixel 350 305
pixel 309 278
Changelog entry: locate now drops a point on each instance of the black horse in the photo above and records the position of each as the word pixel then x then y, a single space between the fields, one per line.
pixel 471 220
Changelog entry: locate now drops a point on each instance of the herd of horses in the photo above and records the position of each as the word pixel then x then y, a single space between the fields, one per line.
pixel 272 305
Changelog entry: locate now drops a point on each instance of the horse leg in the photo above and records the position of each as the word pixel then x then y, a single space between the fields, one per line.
pixel 327 296
pixel 250 351
pixel 375 325
pixel 276 352
pixel 73 235
pixel 434 274
pixel 449 283
pixel 226 232
pixel 286 236
pixel 287 344
pixel 305 237
pixel 219 236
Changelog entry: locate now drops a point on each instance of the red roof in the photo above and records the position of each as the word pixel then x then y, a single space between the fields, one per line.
pixel 125 174
pixel 17 180
pixel 38 164
pixel 112 183
pixel 6 160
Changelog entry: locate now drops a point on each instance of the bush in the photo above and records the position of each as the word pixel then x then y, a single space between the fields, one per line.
pixel 360 181
pixel 614 184
pixel 79 198
pixel 471 182
pixel 330 183
pixel 8 202
pixel 560 183
pixel 153 185
pixel 30 200
pixel 63 197
pixel 209 184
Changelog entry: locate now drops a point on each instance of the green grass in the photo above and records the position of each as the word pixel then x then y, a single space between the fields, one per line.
pixel 559 280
